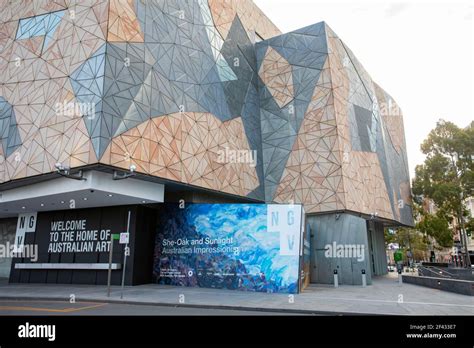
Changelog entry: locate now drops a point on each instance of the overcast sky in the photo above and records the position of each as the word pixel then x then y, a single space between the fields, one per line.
pixel 421 53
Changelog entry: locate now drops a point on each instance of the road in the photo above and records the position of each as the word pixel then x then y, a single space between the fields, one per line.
pixel 33 307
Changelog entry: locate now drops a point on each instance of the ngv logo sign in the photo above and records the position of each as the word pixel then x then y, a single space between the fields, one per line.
pixel 286 220
pixel 26 223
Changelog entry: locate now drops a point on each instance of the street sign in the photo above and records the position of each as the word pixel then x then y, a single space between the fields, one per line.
pixel 124 237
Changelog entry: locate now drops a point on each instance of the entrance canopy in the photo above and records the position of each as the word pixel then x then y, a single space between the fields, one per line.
pixel 98 190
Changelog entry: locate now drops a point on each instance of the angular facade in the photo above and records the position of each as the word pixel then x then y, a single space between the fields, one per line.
pixel 166 85
pixel 332 138
pixel 207 101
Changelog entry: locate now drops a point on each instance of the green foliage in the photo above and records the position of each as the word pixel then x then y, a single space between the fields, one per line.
pixel 446 177
pixel 436 179
pixel 409 239
pixel 438 228
pixel 470 227
pixel 390 237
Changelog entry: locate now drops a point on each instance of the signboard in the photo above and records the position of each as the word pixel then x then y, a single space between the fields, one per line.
pixel 124 238
pixel 286 221
pixel 77 236
pixel 81 239
pixel 26 223
pixel 252 247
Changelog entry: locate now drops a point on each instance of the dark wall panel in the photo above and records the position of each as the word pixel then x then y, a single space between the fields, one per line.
pixel 139 263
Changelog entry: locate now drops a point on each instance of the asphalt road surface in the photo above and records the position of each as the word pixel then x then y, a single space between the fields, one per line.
pixel 25 308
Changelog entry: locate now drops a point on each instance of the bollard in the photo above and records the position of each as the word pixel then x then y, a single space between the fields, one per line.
pixel 400 277
pixel 336 281
pixel 364 279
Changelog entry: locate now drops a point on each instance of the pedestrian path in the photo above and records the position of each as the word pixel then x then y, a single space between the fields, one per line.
pixel 386 297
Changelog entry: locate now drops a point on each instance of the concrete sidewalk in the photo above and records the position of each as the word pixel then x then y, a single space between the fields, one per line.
pixel 384 297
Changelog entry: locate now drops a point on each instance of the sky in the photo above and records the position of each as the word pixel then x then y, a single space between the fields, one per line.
pixel 420 52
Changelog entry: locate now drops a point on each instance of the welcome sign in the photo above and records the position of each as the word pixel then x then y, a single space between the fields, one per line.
pixel 254 247
pixel 75 236
pixel 73 246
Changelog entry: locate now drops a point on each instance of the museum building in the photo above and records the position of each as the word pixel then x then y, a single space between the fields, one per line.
pixel 198 122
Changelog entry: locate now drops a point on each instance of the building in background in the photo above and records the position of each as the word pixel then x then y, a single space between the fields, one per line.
pixel 201 101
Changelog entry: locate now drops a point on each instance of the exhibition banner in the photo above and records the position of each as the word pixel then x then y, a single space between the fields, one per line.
pixel 253 247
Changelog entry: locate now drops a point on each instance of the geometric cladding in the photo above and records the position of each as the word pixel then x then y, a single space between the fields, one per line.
pixel 42 25
pixel 9 134
pixel 170 85
pixel 276 74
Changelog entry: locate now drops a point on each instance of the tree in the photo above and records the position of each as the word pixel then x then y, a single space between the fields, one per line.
pixel 457 146
pixel 470 227
pixel 409 239
pixel 446 177
pixel 438 228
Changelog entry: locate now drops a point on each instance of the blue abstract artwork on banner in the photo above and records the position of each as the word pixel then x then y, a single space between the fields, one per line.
pixel 227 246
